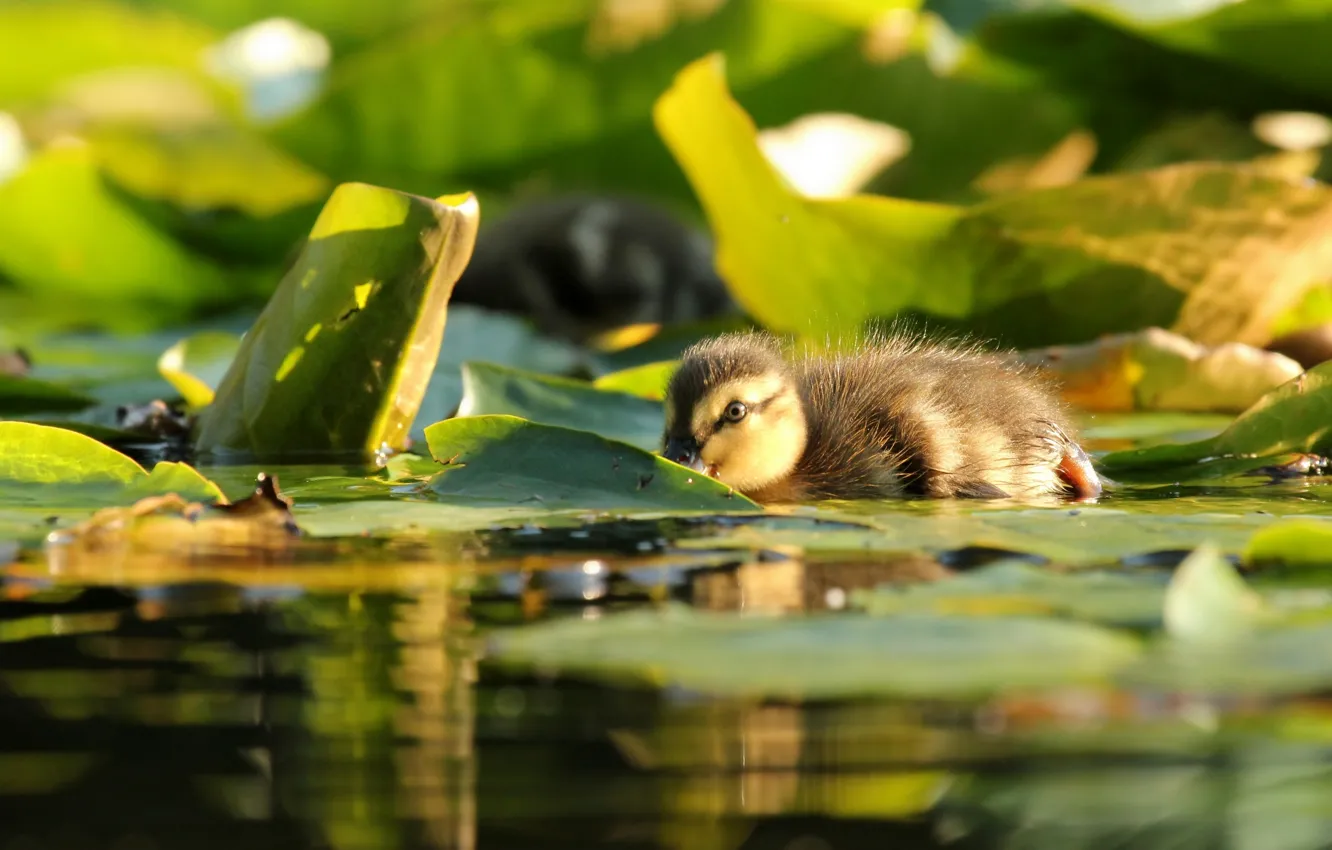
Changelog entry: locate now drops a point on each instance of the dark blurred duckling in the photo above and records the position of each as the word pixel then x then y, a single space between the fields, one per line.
pixel 579 265
pixel 897 417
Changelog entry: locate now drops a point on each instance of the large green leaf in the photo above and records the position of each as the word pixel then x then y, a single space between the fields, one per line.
pixel 488 91
pixel 340 358
pixel 1295 417
pixel 510 461
pixel 842 656
pixel 1279 39
pixel 44 44
pixel 488 388
pixel 107 258
pixel 1032 267
pixel 19 396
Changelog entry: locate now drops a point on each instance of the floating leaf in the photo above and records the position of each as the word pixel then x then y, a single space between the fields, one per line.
pixel 488 389
pixel 824 657
pixel 1295 417
pixel 72 468
pixel 1015 589
pixel 196 365
pixel 1207 601
pixel 1104 254
pixel 646 381
pixel 20 396
pixel 507 460
pixel 362 311
pixel 1294 543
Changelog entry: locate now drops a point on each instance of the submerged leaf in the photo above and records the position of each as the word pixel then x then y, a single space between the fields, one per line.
pixel 510 461
pixel 1295 417
pixel 492 389
pixel 824 657
pixel 340 358
pixel 1208 602
pixel 1216 251
pixel 196 365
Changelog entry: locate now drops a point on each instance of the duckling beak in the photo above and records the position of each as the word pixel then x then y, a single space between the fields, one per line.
pixel 684 451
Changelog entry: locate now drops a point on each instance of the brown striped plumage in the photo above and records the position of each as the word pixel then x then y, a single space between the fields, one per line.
pixel 897 417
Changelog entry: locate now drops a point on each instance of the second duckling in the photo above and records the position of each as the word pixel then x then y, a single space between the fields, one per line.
pixel 898 417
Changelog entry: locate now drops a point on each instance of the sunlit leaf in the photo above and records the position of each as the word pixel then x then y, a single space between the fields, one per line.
pixel 507 460
pixel 839 656
pixel 1294 543
pixel 1207 601
pixel 19 396
pixel 107 254
pixel 646 381
pixel 90 36
pixel 1154 369
pixel 340 358
pixel 1104 254
pixel 41 464
pixel 1295 417
pixel 197 364
pixel 488 389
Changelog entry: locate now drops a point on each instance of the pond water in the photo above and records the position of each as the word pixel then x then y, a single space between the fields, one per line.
pixel 342 693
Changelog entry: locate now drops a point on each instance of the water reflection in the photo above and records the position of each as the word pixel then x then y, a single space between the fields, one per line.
pixel 276 713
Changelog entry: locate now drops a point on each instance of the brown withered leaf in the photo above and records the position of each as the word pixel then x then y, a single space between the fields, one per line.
pixel 15 363
pixel 257 527
pixel 1155 369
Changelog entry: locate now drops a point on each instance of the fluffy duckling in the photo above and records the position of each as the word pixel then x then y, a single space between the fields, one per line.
pixel 898 417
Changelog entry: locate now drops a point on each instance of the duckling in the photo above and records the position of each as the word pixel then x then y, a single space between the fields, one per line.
pixel 898 417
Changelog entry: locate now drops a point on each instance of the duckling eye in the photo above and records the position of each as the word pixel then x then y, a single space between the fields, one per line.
pixel 735 411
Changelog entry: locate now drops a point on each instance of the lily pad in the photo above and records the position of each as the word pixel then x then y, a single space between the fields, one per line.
pixel 197 364
pixel 1294 543
pixel 1295 417
pixel 1208 602
pixel 339 360
pixel 510 461
pixel 646 381
pixel 1015 589
pixel 491 389
pixel 824 657
pixel 1104 254
pixel 20 396
pixel 54 467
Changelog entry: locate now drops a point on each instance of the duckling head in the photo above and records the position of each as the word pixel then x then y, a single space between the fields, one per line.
pixel 734 412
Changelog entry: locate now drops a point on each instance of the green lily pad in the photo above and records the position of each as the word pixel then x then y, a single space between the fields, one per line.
pixel 197 364
pixel 822 657
pixel 1015 588
pixel 1293 543
pixel 1208 602
pixel 646 381
pixel 510 461
pixel 53 467
pixel 492 389
pixel 339 360
pixel 1295 417
pixel 20 396
pixel 1031 267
